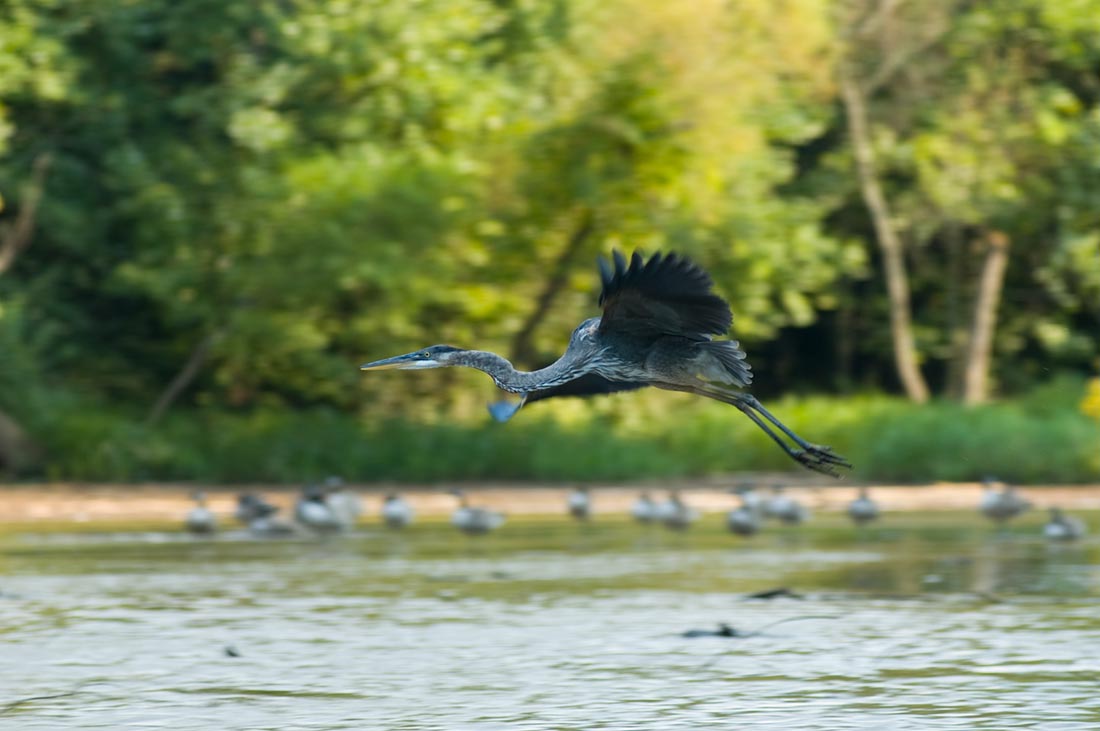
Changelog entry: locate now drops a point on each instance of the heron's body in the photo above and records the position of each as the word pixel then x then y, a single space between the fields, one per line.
pixel 200 519
pixel 658 326
pixel 396 513
pixel 863 509
pixel 1063 527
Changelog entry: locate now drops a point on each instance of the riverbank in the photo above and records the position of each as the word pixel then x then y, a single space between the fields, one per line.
pixel 80 502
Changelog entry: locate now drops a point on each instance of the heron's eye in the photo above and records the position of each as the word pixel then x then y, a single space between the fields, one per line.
pixel 425 355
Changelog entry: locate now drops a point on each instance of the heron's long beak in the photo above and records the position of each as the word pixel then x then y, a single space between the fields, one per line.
pixel 401 362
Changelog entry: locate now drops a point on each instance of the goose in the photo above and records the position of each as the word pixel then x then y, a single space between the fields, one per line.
pixel 474 521
pixel 395 511
pixel 251 506
pixel 269 526
pixel 784 508
pixel 644 509
pixel 580 506
pixel 674 513
pixel 258 516
pixel 1063 527
pixel 313 511
pixel 863 509
pixel 200 519
pixel 345 505
pixel 743 520
pixel 751 500
pixel 1001 506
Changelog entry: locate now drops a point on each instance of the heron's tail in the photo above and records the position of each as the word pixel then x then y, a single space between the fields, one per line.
pixel 732 358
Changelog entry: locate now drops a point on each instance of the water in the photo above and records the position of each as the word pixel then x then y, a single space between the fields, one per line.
pixel 929 622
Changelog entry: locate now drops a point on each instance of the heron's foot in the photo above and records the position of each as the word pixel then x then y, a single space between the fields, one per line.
pixel 502 411
pixel 821 459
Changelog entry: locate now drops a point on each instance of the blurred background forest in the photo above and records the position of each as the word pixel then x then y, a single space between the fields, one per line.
pixel 211 212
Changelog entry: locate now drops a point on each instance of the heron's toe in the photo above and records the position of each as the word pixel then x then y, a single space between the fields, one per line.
pixel 826 454
pixel 821 460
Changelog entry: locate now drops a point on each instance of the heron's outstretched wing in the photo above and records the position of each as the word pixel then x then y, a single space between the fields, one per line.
pixel 667 295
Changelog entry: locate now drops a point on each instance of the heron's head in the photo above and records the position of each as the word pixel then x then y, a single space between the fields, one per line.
pixel 436 356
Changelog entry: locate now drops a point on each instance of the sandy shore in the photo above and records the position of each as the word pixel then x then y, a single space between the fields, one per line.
pixel 160 501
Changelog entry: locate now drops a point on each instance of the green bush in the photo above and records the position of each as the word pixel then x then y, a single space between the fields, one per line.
pixel 1040 437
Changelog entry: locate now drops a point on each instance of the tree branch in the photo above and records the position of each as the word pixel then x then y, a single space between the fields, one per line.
pixel 184 377
pixel 891 65
pixel 522 348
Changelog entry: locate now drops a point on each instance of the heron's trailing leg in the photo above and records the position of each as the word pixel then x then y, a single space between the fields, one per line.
pixel 813 456
pixel 504 410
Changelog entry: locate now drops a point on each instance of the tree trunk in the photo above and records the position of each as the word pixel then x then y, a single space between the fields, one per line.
pixel 17 450
pixel 14 239
pixel 980 347
pixel 893 261
pixel 957 327
pixel 522 348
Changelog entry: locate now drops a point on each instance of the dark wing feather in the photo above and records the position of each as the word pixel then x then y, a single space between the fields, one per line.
pixel 667 295
pixel 590 384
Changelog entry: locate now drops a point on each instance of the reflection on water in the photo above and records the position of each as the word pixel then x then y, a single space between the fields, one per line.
pixel 919 624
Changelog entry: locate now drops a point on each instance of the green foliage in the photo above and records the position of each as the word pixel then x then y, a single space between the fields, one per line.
pixel 293 188
pixel 1041 438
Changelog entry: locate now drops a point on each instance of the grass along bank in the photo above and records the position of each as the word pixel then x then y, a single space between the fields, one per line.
pixel 1042 437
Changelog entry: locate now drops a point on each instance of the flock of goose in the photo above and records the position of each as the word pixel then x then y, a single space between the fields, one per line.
pixel 331 507
pixel 1001 503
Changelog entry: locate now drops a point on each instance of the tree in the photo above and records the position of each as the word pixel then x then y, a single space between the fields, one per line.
pixel 897 281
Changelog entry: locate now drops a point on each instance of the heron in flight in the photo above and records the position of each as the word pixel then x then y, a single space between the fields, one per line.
pixel 658 326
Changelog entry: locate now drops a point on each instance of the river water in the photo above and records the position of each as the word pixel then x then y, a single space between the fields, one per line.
pixel 926 622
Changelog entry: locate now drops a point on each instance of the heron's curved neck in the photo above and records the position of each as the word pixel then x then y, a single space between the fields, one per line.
pixel 508 378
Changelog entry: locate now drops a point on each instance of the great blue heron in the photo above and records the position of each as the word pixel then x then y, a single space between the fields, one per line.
pixel 657 329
